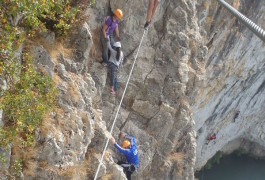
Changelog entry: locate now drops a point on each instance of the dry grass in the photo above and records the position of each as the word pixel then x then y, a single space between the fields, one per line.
pixel 77 171
pixel 27 154
pixel 46 125
pixel 206 5
pixel 56 79
pixel 54 51
pixel 59 49
pixel 107 177
pixel 43 164
pixel 74 92
pixel 30 167
pixel 30 164
pixel 177 157
pixel 4 174
pixel 73 172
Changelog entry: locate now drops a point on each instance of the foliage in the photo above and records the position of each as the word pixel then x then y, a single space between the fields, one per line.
pixel 32 16
pixel 29 96
pixel 39 15
pixel 2 159
pixel 17 167
pixel 214 160
pixel 92 2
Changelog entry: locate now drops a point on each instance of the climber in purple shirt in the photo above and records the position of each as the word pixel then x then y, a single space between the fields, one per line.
pixel 110 25
pixel 129 149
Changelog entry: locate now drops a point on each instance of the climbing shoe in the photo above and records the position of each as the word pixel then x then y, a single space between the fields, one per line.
pixel 147 25
pixel 103 63
pixel 112 91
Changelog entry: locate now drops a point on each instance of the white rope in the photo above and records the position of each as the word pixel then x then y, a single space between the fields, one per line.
pixel 96 175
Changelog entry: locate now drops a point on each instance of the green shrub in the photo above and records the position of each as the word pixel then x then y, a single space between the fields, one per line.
pixel 17 167
pixel 92 2
pixel 40 15
pixel 29 96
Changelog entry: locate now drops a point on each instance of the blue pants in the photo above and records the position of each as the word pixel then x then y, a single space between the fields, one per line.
pixel 105 53
pixel 113 75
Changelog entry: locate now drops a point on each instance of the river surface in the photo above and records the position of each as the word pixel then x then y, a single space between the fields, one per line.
pixel 233 167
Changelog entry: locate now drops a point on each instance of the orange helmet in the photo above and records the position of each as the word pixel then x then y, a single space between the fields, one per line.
pixel 118 13
pixel 126 143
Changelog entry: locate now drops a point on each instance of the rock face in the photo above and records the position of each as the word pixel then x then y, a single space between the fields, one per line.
pixel 156 108
pixel 176 80
pixel 64 137
pixel 234 81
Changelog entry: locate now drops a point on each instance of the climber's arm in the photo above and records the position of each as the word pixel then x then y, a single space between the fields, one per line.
pixel 121 150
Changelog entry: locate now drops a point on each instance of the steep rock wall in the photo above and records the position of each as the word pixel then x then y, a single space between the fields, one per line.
pixel 156 109
pixel 234 81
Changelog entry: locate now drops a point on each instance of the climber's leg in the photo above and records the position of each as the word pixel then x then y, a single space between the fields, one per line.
pixel 113 76
pixel 150 10
pixel 155 6
pixel 128 168
pixel 152 5
pixel 128 175
pixel 115 82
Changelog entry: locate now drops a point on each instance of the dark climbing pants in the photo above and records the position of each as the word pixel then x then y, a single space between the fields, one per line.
pixel 105 50
pixel 128 168
pixel 113 75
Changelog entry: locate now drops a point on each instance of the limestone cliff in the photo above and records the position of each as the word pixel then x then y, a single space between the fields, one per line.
pixel 178 87
pixel 156 109
pixel 234 81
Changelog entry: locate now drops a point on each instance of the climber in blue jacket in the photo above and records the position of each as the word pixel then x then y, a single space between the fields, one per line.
pixel 129 149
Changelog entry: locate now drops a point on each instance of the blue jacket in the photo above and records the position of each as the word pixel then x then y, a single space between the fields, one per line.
pixel 130 154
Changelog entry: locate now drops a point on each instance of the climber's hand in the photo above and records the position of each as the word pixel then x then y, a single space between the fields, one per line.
pixel 122 135
pixel 112 140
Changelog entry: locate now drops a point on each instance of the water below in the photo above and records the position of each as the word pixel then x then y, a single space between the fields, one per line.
pixel 233 167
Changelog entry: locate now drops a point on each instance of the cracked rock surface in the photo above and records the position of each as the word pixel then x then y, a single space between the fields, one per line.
pixel 234 81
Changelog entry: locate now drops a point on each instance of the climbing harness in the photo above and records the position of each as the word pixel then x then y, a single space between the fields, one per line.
pixel 251 25
pixel 114 121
